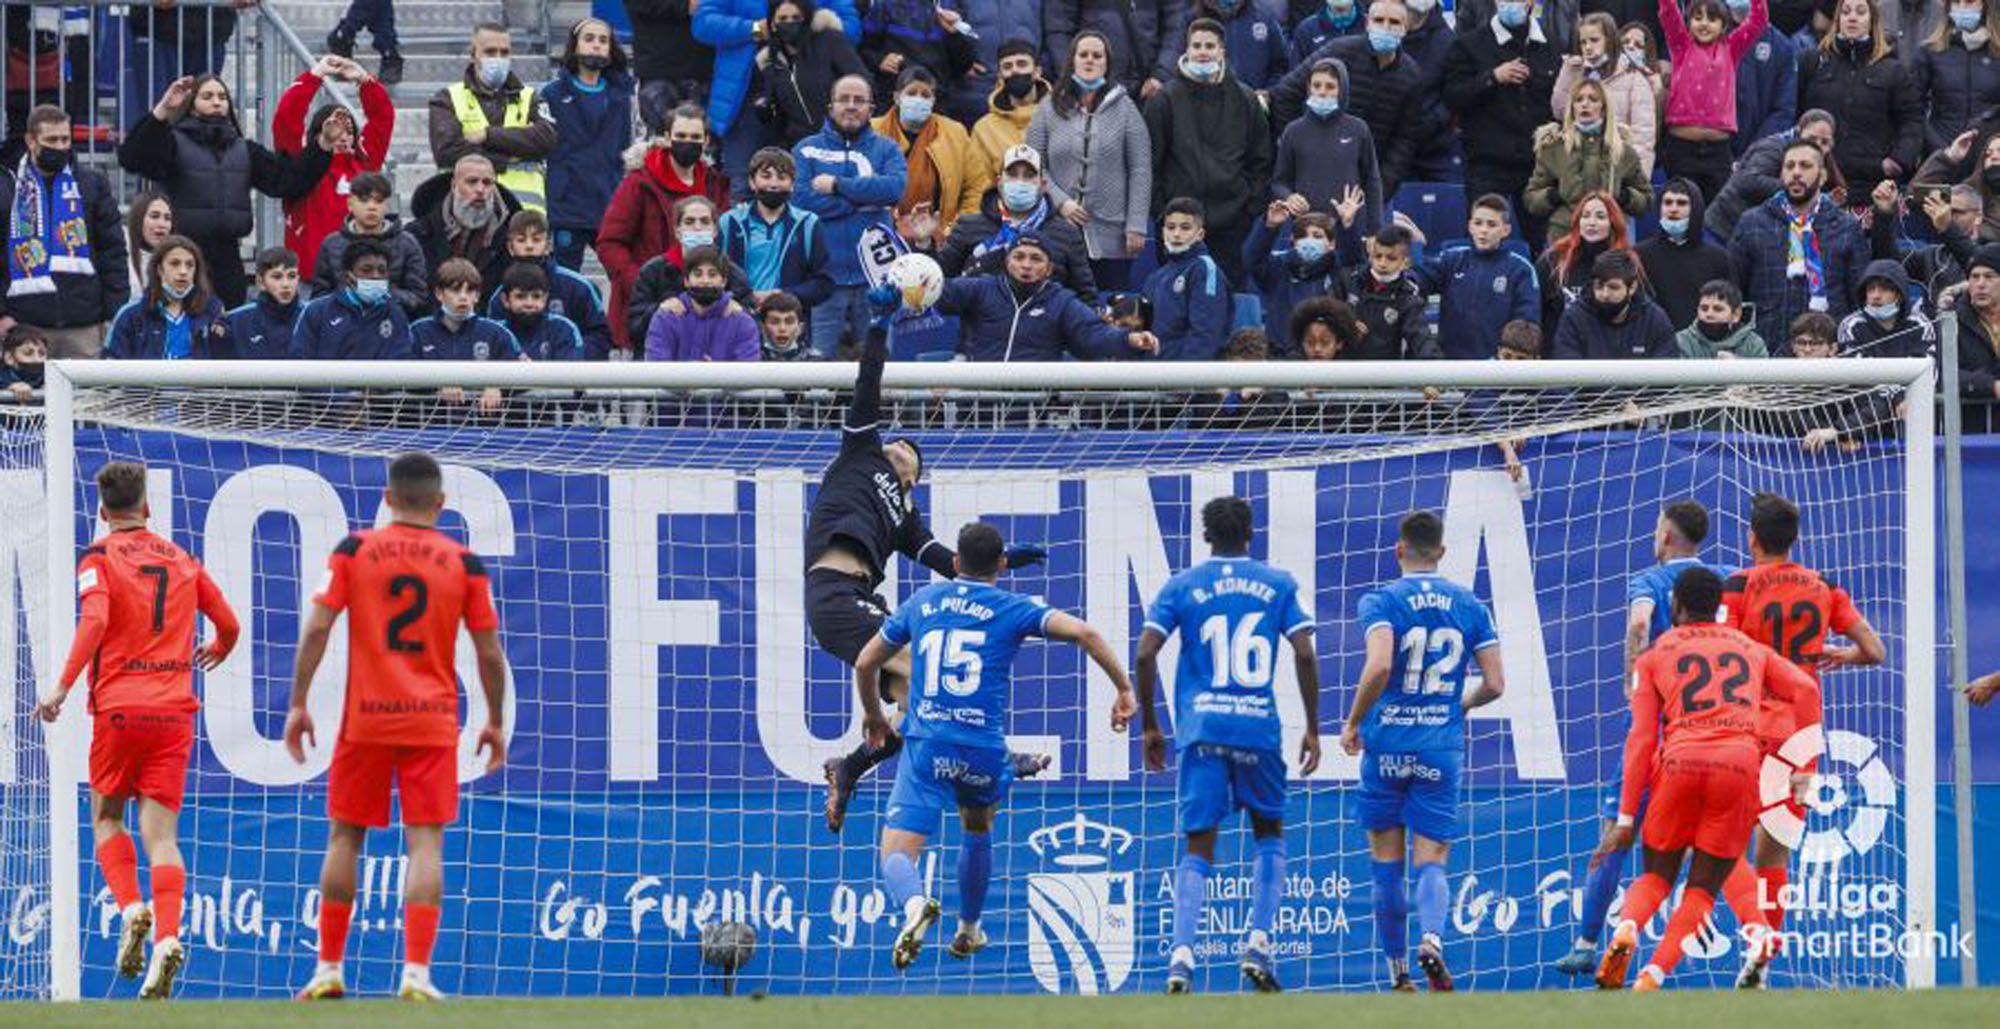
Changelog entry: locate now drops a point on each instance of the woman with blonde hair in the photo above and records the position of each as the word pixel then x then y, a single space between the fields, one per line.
pixel 1586 152
pixel 1634 104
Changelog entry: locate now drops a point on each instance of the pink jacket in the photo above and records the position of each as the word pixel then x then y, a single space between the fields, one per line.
pixel 1634 105
pixel 1702 93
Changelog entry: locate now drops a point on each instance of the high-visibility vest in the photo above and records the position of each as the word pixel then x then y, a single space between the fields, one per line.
pixel 525 179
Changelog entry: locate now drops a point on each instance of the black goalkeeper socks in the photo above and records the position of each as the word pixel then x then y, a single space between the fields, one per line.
pixel 865 757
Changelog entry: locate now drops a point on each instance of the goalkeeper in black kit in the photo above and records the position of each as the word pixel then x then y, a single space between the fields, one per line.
pixel 864 514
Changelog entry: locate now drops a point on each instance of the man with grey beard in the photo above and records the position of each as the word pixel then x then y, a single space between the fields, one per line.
pixel 464 214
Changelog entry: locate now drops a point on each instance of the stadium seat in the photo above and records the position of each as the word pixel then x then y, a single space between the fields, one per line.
pixel 1438 208
pixel 1249 312
pixel 927 340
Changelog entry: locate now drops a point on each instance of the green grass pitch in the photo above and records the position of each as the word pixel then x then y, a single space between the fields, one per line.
pixel 1691 1009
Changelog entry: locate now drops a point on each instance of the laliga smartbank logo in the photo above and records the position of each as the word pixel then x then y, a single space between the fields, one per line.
pixel 1081 920
pixel 1853 787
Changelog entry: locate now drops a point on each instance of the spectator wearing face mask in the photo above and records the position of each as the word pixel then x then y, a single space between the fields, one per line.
pixel 24 356
pixel 1390 304
pixel 66 267
pixel 989 24
pixel 1259 53
pixel 1332 20
pixel 590 101
pixel 807 50
pixel 1679 261
pixel 1719 329
pixel 490 112
pixel 1634 105
pixel 569 294
pixel 368 217
pixel 1146 37
pixel 1328 152
pixel 361 321
pixel 898 34
pixel 1018 206
pixel 1012 106
pixel 707 325
pixel 1383 88
pixel 1498 80
pixel 523 303
pixel 1614 320
pixel 1585 154
pixel 664 278
pixel 355 149
pixel 943 177
pixel 1098 161
pixel 1211 144
pixel 458 332
pixel 639 225
pixel 1318 251
pixel 1957 71
pixel 176 317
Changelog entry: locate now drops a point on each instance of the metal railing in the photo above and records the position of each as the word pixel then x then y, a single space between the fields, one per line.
pixel 106 63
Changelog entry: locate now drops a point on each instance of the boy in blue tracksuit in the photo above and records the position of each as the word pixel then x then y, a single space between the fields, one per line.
pixel 1313 261
pixel 360 321
pixel 850 177
pixel 543 334
pixel 1191 302
pixel 458 332
pixel 1482 287
pixel 569 294
pixel 262 328
pixel 779 246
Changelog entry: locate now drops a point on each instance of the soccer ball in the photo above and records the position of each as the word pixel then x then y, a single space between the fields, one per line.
pixel 918 279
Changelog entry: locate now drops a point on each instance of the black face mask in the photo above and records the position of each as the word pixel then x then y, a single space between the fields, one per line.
pixel 789 32
pixel 1023 290
pixel 1019 86
pixel 685 152
pixel 705 295
pixel 1610 312
pixel 593 62
pixel 51 161
pixel 31 371
pixel 775 199
pixel 1715 332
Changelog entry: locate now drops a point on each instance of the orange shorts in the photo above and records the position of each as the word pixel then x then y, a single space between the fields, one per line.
pixel 425 779
pixel 142 752
pixel 1704 799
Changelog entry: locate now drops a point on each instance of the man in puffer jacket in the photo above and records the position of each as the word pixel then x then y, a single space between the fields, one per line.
pixel 850 178
pixel 1023 315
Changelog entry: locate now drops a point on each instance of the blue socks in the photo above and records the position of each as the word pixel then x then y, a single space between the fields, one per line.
pixel 1599 886
pixel 975 872
pixel 1268 883
pixel 1432 897
pixel 1392 913
pixel 1190 895
pixel 899 875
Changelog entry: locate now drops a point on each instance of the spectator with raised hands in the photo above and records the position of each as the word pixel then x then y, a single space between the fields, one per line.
pixel 1586 153
pixel 1022 314
pixel 1974 161
pixel 1954 216
pixel 1701 115
pixel 590 101
pixel 1854 75
pixel 1097 160
pixel 354 148
pixel 1317 253
pixel 1635 107
pixel 191 145
pixel 1957 70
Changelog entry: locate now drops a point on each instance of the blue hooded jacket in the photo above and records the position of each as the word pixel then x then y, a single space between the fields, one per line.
pixel 336 328
pixel 261 330
pixel 1192 306
pixel 871 174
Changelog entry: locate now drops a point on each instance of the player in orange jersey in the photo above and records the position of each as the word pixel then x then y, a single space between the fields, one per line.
pixel 1706 682
pixel 140 594
pixel 1791 609
pixel 405 588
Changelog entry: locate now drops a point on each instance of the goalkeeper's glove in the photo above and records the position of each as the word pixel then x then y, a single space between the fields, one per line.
pixel 1025 555
pixel 883 300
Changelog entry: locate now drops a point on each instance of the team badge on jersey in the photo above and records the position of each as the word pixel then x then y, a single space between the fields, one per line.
pixel 1260 32
pixel 1500 284
pixel 1764 51
pixel 482 350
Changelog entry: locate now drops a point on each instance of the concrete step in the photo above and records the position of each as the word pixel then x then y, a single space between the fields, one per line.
pixel 312 19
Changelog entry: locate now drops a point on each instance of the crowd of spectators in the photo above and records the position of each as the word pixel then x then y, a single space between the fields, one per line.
pixel 1639 180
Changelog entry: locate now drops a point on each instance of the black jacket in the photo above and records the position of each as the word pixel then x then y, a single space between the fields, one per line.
pixel 1876 113
pixel 1212 142
pixel 1394 315
pixel 209 173
pixel 427 212
pixel 663 43
pixel 962 253
pixel 1583 334
pixel 1978 372
pixel 1955 85
pixel 1498 122
pixel 409 265
pixel 798 84
pixel 79 299
pixel 1390 100
pixel 1676 269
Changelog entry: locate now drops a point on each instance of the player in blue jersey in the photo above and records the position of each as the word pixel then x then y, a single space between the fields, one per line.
pixel 1409 715
pixel 1230 611
pixel 1677 538
pixel 965 634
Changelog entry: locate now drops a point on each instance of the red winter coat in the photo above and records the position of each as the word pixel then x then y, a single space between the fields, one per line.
pixel 639 224
pixel 320 213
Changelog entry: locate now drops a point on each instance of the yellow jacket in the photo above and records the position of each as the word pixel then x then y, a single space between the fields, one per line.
pixel 951 150
pixel 1002 127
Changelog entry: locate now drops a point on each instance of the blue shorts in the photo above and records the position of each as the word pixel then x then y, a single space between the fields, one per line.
pixel 934 775
pixel 1611 804
pixel 1216 780
pixel 1414 789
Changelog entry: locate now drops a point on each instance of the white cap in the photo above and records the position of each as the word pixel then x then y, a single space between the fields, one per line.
pixel 1022 153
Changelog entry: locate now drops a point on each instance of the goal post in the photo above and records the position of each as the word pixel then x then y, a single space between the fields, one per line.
pixel 644 525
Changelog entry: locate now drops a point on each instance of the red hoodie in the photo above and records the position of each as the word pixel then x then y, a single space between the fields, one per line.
pixel 639 224
pixel 320 213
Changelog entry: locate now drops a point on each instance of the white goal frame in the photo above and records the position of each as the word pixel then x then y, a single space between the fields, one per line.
pixel 66 739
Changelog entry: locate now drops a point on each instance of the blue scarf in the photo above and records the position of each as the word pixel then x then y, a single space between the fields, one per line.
pixel 45 238
pixel 1003 240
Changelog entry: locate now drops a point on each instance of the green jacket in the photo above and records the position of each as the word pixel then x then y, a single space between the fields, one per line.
pixel 1563 176
pixel 1744 342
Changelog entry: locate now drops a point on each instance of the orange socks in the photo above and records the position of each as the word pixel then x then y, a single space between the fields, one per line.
pixel 1774 880
pixel 420 932
pixel 1695 906
pixel 1643 899
pixel 120 861
pixel 169 885
pixel 334 917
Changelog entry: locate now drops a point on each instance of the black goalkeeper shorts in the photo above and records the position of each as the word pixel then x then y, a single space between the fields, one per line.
pixel 843 612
